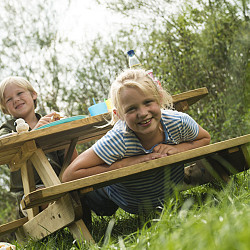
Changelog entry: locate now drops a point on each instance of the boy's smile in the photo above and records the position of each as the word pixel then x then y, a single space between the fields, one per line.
pixel 19 101
pixel 142 114
pixel 19 106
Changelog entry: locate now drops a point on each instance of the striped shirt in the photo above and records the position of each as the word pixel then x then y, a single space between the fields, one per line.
pixel 149 189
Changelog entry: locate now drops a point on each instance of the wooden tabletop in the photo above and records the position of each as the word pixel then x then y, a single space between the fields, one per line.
pixel 55 137
pixel 86 129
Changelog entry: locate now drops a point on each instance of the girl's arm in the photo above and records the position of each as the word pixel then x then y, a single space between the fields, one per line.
pixel 88 163
pixel 202 139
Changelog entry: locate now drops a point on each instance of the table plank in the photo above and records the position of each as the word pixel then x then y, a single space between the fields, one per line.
pixel 52 193
pixel 191 96
pixel 12 226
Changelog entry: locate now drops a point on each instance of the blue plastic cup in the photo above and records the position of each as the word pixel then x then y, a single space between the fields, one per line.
pixel 97 109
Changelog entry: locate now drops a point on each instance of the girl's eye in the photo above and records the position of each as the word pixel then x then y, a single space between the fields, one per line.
pixel 130 110
pixel 148 101
pixel 19 93
pixel 8 100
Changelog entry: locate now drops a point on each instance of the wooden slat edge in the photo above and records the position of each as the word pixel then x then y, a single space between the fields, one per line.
pixel 190 94
pixel 36 197
pixel 12 226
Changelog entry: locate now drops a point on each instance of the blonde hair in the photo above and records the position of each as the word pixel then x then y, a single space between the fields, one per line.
pixel 137 78
pixel 19 81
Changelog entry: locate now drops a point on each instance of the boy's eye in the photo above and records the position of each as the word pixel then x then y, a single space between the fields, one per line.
pixel 8 100
pixel 19 93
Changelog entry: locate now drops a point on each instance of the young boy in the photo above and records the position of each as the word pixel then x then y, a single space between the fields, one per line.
pixel 19 99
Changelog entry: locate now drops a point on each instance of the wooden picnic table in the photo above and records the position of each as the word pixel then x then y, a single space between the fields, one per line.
pixel 19 151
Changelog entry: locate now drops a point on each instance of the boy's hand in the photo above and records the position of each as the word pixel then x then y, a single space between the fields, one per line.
pixel 45 120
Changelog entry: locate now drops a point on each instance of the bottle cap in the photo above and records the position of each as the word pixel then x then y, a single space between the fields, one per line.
pixel 130 52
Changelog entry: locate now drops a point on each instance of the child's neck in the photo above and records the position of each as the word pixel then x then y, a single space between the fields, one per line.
pixel 149 141
pixel 31 120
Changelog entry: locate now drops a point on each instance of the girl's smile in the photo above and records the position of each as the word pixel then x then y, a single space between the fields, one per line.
pixel 142 114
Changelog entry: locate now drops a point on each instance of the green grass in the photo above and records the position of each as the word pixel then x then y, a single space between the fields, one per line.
pixel 206 217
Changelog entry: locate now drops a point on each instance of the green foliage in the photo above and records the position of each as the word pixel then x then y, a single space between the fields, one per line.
pixel 206 44
pixel 8 200
pixel 31 46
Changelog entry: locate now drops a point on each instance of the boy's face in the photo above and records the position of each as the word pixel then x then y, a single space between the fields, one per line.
pixel 142 113
pixel 19 101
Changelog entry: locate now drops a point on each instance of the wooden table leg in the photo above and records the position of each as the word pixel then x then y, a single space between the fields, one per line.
pixel 80 231
pixel 49 178
pixel 68 156
pixel 29 185
pixel 44 169
pixel 63 212
pixel 182 106
pixel 27 174
pixel 246 151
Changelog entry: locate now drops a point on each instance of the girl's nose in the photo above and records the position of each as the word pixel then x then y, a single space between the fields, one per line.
pixel 142 112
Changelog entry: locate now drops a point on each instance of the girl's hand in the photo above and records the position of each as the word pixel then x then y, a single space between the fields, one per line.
pixel 166 149
pixel 137 159
pixel 202 139
pixel 148 157
pixel 44 120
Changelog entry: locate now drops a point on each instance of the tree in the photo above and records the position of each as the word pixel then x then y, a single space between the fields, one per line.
pixel 31 46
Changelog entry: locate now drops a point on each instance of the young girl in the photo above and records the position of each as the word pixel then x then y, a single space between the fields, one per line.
pixel 143 130
pixel 18 99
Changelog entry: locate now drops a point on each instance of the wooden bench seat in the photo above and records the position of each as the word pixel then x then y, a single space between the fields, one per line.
pixel 89 183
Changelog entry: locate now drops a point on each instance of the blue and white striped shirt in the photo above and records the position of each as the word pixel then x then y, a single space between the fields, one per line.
pixel 149 189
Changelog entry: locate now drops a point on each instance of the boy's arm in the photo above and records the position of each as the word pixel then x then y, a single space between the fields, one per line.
pixel 4 131
pixel 88 163
pixel 44 120
pixel 6 128
pixel 202 139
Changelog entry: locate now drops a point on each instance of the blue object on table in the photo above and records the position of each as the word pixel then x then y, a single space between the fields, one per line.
pixel 97 109
pixel 65 120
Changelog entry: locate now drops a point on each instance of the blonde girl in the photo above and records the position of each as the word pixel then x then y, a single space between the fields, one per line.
pixel 145 128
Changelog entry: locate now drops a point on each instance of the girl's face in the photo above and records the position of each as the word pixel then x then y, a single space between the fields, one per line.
pixel 19 101
pixel 141 112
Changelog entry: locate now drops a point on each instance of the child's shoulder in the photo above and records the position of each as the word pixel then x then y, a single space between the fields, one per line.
pixel 9 121
pixel 172 114
pixel 121 130
pixel 7 127
pixel 120 126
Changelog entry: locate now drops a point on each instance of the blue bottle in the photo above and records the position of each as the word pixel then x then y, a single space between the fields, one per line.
pixel 133 61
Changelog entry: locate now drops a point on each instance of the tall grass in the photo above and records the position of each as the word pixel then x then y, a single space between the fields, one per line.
pixel 206 217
